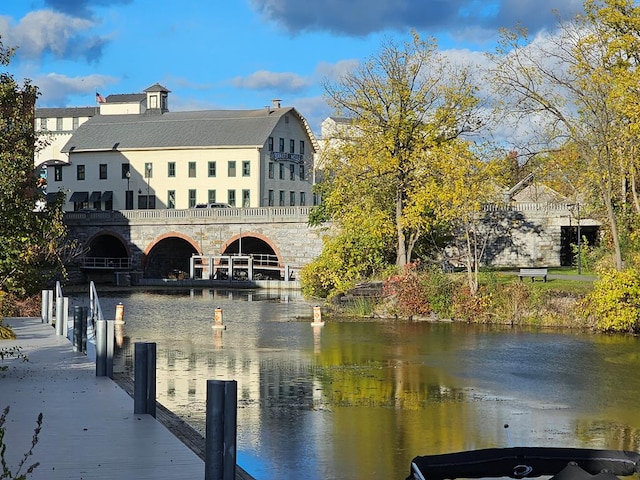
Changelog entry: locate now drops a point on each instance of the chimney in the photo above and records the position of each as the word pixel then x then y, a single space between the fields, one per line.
pixel 275 102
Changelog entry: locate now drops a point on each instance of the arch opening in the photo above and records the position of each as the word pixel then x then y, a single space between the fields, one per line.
pixel 169 258
pixel 266 264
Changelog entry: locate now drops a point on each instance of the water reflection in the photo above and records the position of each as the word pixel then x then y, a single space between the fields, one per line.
pixel 356 399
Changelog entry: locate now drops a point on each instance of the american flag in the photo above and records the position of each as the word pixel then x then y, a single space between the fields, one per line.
pixel 100 98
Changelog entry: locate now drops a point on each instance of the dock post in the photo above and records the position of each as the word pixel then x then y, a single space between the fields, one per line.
pixel 101 348
pixel 221 425
pixel 45 306
pixel 60 316
pixel 144 387
pixel 217 319
pixel 104 348
pixel 50 307
pixel 111 336
pixel 80 329
pixel 65 316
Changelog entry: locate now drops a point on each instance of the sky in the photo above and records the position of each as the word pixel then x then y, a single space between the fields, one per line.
pixel 238 54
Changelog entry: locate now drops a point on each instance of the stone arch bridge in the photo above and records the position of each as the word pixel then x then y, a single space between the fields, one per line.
pixel 162 244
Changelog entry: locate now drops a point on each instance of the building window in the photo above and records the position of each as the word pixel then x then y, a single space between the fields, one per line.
pixel 271 198
pixel 57 173
pixel 281 145
pixel 192 169
pixel 59 124
pixel 246 168
pixel 292 172
pixel 148 170
pixel 43 124
pixel 271 170
pixel 211 196
pixel 231 168
pixel 126 169
pixel 103 171
pixel 80 173
pixel 281 198
pixel 292 198
pixel 303 198
pixel 212 169
pixel 302 172
pixel 76 123
pixel 301 147
pixel 231 197
pixel 192 198
pixel 171 169
pixel 292 146
pixel 246 198
pixel 281 165
pixel 271 144
pixel 171 199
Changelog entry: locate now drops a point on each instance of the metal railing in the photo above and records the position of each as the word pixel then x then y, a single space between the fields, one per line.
pixel 95 311
pixel 106 263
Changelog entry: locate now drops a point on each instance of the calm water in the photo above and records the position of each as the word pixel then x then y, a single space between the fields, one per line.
pixel 358 400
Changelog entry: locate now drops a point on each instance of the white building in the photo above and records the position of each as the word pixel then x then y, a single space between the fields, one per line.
pixel 135 154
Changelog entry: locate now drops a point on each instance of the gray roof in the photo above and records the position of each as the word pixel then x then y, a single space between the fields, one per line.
pixel 126 97
pixel 209 128
pixel 67 112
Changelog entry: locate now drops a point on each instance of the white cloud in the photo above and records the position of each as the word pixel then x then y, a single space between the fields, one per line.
pixel 266 80
pixel 45 31
pixel 55 89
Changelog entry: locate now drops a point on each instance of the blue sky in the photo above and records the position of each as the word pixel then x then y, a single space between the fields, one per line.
pixel 236 54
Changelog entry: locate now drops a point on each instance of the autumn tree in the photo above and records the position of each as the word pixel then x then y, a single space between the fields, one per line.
pixel 30 240
pixel 404 105
pixel 578 88
pixel 460 181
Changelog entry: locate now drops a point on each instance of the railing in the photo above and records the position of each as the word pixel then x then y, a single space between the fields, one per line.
pixel 95 311
pixel 263 214
pixel 526 206
pixel 106 263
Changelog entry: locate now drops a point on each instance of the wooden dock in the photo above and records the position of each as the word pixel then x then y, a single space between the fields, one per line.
pixel 89 430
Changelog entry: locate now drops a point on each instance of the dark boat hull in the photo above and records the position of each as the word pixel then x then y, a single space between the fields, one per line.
pixel 525 462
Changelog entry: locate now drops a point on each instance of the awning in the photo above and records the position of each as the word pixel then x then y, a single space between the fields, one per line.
pixel 79 197
pixel 95 197
pixel 106 196
pixel 51 197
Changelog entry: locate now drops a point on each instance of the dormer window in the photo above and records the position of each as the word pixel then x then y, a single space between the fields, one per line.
pixel 153 101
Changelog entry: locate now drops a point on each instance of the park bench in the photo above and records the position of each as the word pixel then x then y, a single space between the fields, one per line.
pixel 533 273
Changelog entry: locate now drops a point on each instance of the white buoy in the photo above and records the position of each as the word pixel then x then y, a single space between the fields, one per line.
pixel 119 313
pixel 317 317
pixel 217 319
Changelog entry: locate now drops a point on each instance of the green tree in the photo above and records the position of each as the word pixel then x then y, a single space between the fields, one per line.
pixel 405 104
pixel 30 240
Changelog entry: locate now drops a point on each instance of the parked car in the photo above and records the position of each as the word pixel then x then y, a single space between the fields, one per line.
pixel 213 205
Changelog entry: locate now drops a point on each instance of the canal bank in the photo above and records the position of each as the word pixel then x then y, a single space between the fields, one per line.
pixel 89 430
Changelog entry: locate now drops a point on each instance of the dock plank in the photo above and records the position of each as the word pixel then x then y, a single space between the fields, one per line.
pixel 89 430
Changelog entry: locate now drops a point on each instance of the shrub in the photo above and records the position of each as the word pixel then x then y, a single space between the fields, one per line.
pixel 614 302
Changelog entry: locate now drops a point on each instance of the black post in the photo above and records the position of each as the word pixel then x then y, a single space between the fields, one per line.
pixel 80 328
pixel 144 386
pixel 221 425
pixel 151 379
pixel 83 329
pixel 77 328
